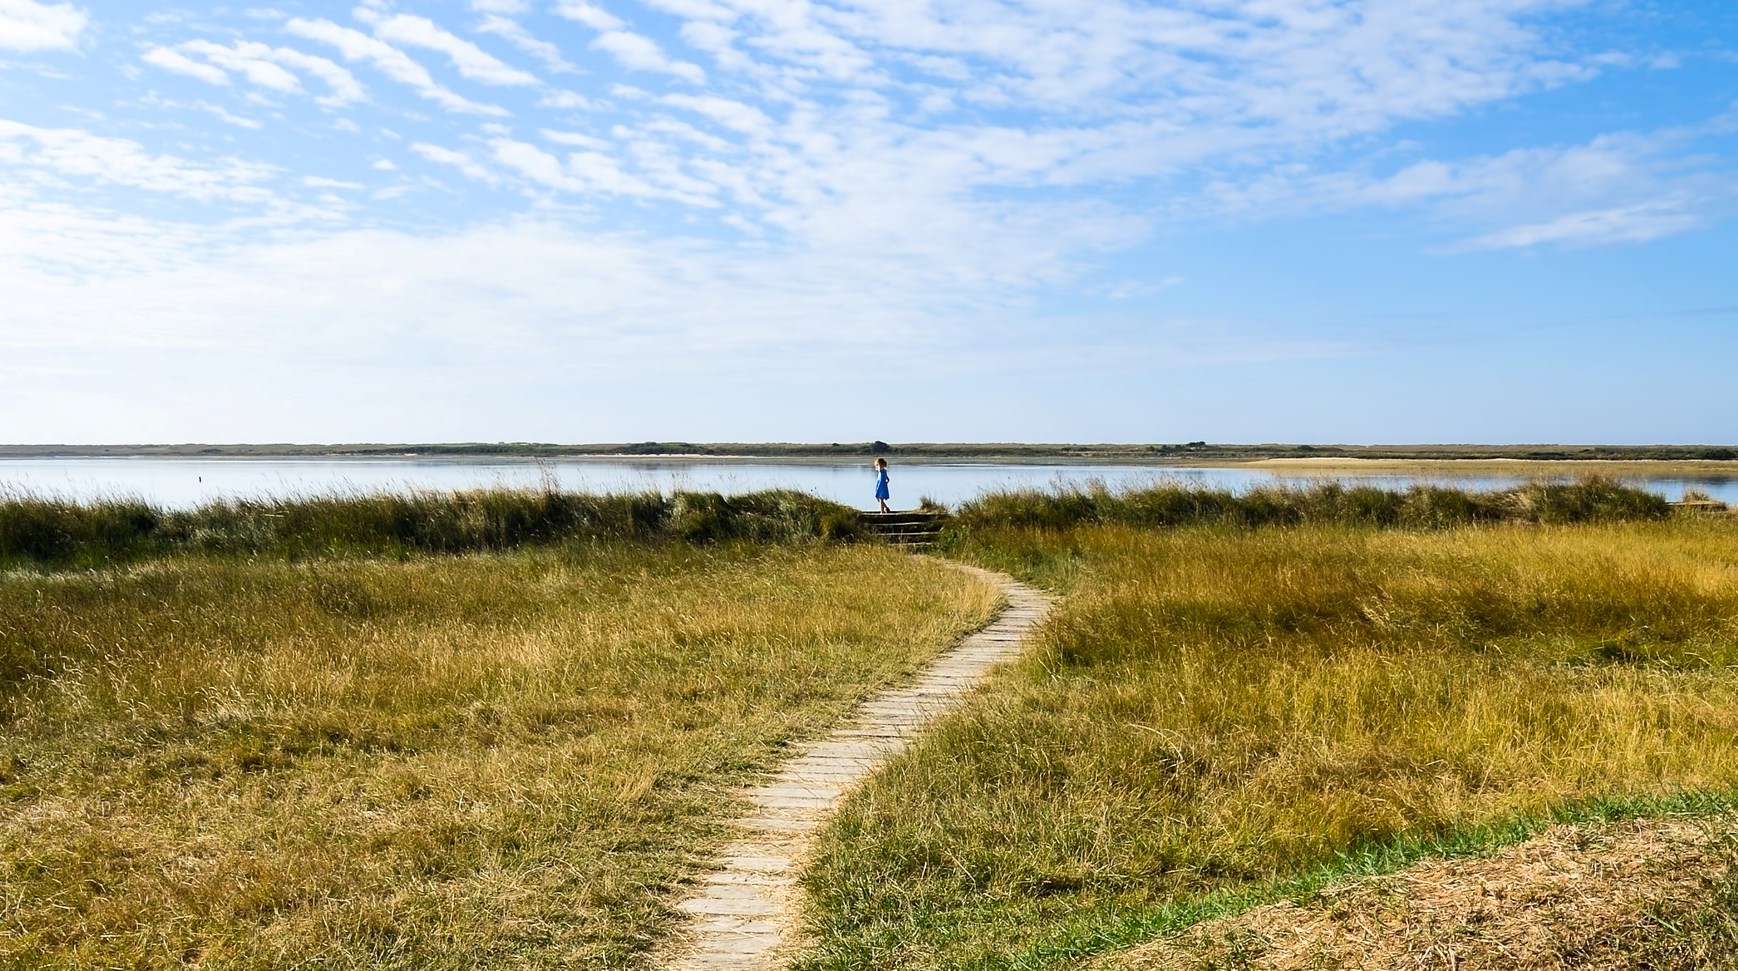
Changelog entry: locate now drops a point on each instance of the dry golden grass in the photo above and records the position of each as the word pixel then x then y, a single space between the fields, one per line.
pixel 493 760
pixel 1216 709
pixel 1653 893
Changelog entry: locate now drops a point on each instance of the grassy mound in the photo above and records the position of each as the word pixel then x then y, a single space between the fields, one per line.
pixel 1214 709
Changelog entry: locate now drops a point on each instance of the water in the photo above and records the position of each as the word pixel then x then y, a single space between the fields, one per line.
pixel 187 482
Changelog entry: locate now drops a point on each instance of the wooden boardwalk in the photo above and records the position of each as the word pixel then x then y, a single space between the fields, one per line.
pixel 742 915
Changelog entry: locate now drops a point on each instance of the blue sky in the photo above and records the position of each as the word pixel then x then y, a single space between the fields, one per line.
pixel 913 220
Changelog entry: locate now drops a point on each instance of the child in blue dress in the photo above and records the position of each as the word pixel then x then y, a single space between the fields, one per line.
pixel 881 493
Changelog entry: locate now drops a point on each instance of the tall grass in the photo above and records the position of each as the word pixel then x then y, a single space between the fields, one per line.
pixel 57 532
pixel 1430 507
pixel 485 760
pixel 1215 708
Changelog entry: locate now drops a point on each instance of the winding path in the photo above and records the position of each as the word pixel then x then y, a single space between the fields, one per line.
pixel 743 914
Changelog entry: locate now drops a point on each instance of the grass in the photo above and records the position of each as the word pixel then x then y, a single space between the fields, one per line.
pixel 503 759
pixel 51 532
pixel 1601 895
pixel 1420 507
pixel 1217 710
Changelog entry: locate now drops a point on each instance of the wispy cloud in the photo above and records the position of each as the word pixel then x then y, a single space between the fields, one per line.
pixel 470 60
pixel 70 152
pixel 356 46
pixel 456 159
pixel 591 15
pixel 1632 224
pixel 515 33
pixel 178 63
pixel 756 175
pixel 260 64
pixel 639 53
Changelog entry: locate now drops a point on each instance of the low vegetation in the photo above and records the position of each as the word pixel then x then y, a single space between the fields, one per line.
pixel 1421 507
pixel 485 760
pixel 1217 712
pixel 499 728
pixel 46 531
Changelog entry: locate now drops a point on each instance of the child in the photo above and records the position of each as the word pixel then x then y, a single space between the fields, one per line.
pixel 881 493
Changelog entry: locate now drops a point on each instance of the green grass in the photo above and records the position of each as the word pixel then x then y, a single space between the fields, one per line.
pixel 484 760
pixel 49 532
pixel 1216 712
pixel 1420 507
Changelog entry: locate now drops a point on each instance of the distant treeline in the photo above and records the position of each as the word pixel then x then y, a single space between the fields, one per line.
pixel 1196 451
pixel 1423 507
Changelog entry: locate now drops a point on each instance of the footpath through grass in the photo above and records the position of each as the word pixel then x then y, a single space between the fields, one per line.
pixel 484 760
pixel 1215 710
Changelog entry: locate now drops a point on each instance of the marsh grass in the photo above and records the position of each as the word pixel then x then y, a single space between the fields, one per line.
pixel 1420 507
pixel 1213 710
pixel 58 533
pixel 484 760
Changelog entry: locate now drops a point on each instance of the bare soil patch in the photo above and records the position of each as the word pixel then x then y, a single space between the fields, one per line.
pixel 1643 894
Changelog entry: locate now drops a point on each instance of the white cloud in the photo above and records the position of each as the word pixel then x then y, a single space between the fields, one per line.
pixel 536 164
pixel 458 160
pixel 639 53
pixel 323 182
pixel 260 64
pixel 564 99
pixel 1631 224
pixel 508 7
pixel 515 33
pixel 471 61
pixel 249 64
pixel 355 46
pixel 574 139
pixel 592 16
pixel 230 118
pixel 176 62
pixel 26 25
pixel 731 114
pixel 73 153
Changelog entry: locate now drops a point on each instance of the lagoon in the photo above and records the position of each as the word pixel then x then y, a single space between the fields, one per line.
pixel 188 482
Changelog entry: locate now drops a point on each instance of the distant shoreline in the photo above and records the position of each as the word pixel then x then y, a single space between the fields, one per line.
pixel 1710 458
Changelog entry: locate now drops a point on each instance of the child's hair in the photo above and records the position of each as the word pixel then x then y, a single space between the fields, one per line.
pixel 880 462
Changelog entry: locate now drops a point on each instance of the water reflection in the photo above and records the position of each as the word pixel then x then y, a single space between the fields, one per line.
pixel 186 482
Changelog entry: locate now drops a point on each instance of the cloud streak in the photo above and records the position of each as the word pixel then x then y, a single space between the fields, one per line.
pixel 358 47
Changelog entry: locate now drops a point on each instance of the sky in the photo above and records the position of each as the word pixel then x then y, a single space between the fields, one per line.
pixel 1311 221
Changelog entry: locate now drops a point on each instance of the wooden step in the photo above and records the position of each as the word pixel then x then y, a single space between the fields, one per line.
pixel 910 529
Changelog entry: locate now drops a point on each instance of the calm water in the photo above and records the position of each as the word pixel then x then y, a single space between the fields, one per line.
pixel 185 482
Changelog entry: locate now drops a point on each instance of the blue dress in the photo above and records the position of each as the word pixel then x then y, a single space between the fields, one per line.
pixel 881 485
